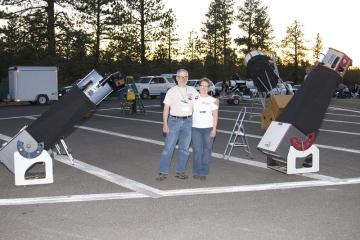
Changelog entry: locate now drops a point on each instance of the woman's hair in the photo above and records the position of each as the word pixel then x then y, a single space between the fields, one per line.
pixel 204 79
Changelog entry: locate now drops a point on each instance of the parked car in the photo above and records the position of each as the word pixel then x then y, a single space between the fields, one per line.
pixel 152 86
pixel 64 90
pixel 196 82
pixel 296 87
pixel 282 89
pixel 218 88
pixel 171 77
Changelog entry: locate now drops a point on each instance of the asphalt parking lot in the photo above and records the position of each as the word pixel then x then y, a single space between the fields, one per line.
pixel 111 192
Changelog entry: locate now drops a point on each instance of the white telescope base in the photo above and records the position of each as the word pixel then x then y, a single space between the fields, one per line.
pixel 294 154
pixel 21 165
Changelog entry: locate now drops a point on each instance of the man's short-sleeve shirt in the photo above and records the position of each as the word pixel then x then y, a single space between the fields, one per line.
pixel 179 99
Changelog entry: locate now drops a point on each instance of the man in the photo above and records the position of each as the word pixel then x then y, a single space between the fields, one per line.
pixel 177 122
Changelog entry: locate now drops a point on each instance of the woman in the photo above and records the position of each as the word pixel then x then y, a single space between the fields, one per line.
pixel 205 118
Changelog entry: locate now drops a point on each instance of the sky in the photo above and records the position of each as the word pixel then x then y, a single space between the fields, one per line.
pixel 336 21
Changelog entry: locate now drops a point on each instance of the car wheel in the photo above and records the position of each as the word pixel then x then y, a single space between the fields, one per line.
pixel 145 94
pixel 42 99
pixel 236 101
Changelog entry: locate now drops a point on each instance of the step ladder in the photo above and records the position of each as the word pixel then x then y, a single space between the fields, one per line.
pixel 238 136
pixel 126 105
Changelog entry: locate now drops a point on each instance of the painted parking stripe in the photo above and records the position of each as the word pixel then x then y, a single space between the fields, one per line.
pixel 344 109
pixel 106 175
pixel 4 137
pixel 328 113
pixel 221 118
pixel 178 192
pixel 258 122
pixel 70 198
pixel 16 117
pixel 229 132
pixel 216 155
pixel 111 177
pixel 31 117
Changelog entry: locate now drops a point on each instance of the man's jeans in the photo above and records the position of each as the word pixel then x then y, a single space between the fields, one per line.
pixel 202 147
pixel 179 131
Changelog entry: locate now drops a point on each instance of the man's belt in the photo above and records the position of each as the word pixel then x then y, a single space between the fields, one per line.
pixel 181 117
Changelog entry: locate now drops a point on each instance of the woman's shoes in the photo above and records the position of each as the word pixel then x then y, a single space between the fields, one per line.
pixel 181 176
pixel 199 177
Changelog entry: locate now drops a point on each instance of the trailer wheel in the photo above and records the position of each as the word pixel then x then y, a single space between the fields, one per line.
pixel 42 99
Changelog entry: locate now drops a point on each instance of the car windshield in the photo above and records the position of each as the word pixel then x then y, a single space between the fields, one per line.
pixel 170 79
pixel 191 83
pixel 144 80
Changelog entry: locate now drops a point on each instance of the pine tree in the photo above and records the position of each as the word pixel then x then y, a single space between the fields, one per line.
pixel 216 32
pixel 166 51
pixel 194 48
pixel 255 26
pixel 29 10
pixel 317 48
pixel 100 16
pixel 146 17
pixel 294 50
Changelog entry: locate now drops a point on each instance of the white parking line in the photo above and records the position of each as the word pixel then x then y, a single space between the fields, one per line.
pixel 344 109
pixel 111 177
pixel 178 192
pixel 70 198
pixel 213 154
pixel 229 132
pixel 334 114
pixel 4 137
pixel 258 122
pixel 9 118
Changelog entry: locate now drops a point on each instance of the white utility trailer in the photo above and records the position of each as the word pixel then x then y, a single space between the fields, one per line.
pixel 35 84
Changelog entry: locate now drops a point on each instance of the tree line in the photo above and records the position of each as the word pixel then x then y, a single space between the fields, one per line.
pixel 138 37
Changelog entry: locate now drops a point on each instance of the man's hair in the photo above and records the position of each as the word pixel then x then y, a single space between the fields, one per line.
pixel 181 70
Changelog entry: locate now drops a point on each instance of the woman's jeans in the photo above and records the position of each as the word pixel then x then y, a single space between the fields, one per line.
pixel 202 146
pixel 179 132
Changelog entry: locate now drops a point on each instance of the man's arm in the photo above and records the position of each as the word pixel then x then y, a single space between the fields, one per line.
pixel 165 118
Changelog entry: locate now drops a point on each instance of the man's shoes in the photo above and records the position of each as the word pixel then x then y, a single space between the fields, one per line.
pixel 199 177
pixel 161 177
pixel 203 178
pixel 181 176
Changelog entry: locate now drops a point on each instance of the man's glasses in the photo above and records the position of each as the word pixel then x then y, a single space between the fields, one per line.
pixel 183 77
